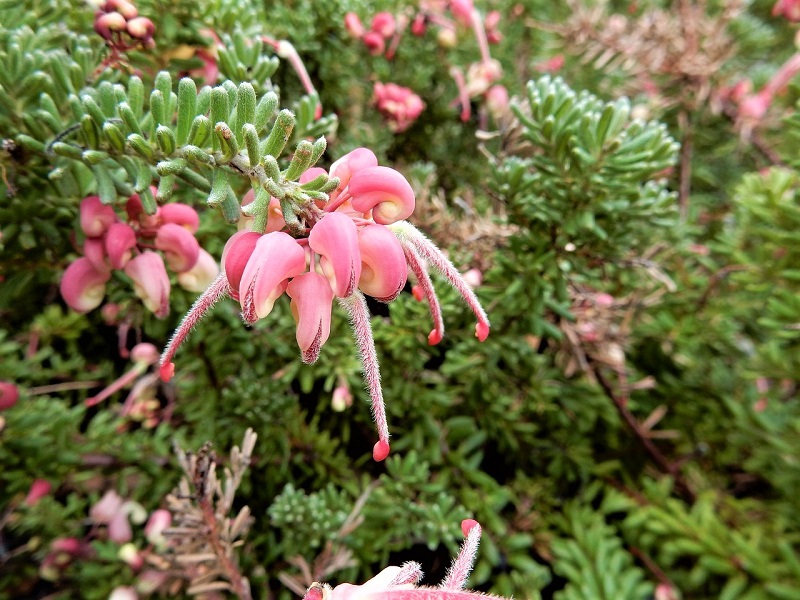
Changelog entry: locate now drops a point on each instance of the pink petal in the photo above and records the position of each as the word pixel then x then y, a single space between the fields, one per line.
pixel 335 239
pixel 275 220
pixel 384 191
pixel 106 508
pixel 83 287
pixel 200 276
pixel 94 248
pixel 238 250
pixel 180 214
pixel 9 393
pixel 150 282
pixel 179 246
pixel 383 264
pixel 312 300
pixel 96 217
pixel 135 210
pixel 311 174
pixel 350 163
pixel 276 258
pixel 120 240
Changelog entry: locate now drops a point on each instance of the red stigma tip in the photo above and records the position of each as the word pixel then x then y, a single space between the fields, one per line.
pixel 467 525
pixel 481 331
pixel 434 337
pixel 380 450
pixel 167 371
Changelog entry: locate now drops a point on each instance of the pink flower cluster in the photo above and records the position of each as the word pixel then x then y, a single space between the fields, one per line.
pixel 789 9
pixel 132 246
pixel 355 243
pixel 382 29
pixel 399 105
pixel 400 583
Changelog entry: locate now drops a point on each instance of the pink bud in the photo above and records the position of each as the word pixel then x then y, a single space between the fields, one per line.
pixel 150 282
pixel 104 509
pixel 145 353
pixel 135 210
pixel 335 239
pixel 106 25
pixel 159 521
pixel 497 99
pixel 473 277
pixel 96 217
pixel 180 214
pixel 384 24
pixel 123 593
pixel 238 250
pixel 120 240
pixel 384 191
pixel 200 276
pixel 353 25
pixel 39 489
pixel 311 296
pixel 179 246
pixel 419 25
pixel 276 258
pixel 342 398
pixel 492 20
pixel 141 28
pixel 9 394
pixel 789 9
pixel 82 286
pixel 374 43
pixel 383 263
pixel 123 7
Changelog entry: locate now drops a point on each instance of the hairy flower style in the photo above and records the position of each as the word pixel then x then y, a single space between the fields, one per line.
pixel 400 583
pixel 83 286
pixel 150 282
pixel 354 243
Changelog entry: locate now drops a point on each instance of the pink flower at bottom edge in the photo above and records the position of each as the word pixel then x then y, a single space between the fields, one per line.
pixel 83 287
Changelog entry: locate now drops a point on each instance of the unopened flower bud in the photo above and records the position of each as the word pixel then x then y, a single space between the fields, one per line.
pixel 39 489
pixel 384 24
pixel 9 393
pixel 374 42
pixel 106 25
pixel 159 521
pixel 341 398
pixel 141 28
pixel 353 25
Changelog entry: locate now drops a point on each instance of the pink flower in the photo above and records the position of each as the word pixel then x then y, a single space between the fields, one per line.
pixel 39 489
pixel 335 239
pixel 374 42
pixel 238 250
pixel 120 241
pixel 276 258
pixel 94 248
pixel 200 276
pixel 9 394
pixel 311 296
pixel 419 25
pixel 341 397
pixel 179 246
pixel 398 104
pixel 159 521
pixel 83 286
pixel 112 510
pixel 789 9
pixel 383 264
pixel 96 217
pixel 150 282
pixel 384 191
pixel 353 25
pixel 462 10
pixel 180 214
pixel 497 100
pixel 384 24
pixel 350 163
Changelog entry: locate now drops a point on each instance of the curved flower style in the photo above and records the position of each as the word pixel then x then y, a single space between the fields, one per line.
pixel 354 243
pixel 400 583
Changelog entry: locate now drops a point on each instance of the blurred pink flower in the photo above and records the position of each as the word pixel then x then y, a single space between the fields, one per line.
pixel 9 394
pixel 83 286
pixel 399 105
pixel 150 282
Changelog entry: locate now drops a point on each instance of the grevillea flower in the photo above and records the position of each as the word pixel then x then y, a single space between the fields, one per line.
pixel 335 239
pixel 9 393
pixel 94 248
pixel 276 258
pixel 312 299
pixel 119 241
pixel 384 24
pixel 353 25
pixel 150 282
pixel 180 214
pixel 83 286
pixel 400 583
pixel 179 246
pixel 96 217
pixel 399 105
pixel 383 264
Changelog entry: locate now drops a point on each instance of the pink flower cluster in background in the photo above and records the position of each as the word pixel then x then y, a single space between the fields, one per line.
pixel 399 105
pixel 357 242
pixel 138 245
pixel 382 28
pixel 117 17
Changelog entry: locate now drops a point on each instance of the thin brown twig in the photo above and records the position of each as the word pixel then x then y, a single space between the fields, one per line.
pixel 238 581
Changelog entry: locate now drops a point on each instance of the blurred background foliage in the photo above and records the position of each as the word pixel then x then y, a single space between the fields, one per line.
pixel 628 430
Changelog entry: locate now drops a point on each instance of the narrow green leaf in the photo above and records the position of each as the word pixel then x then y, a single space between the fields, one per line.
pixel 187 103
